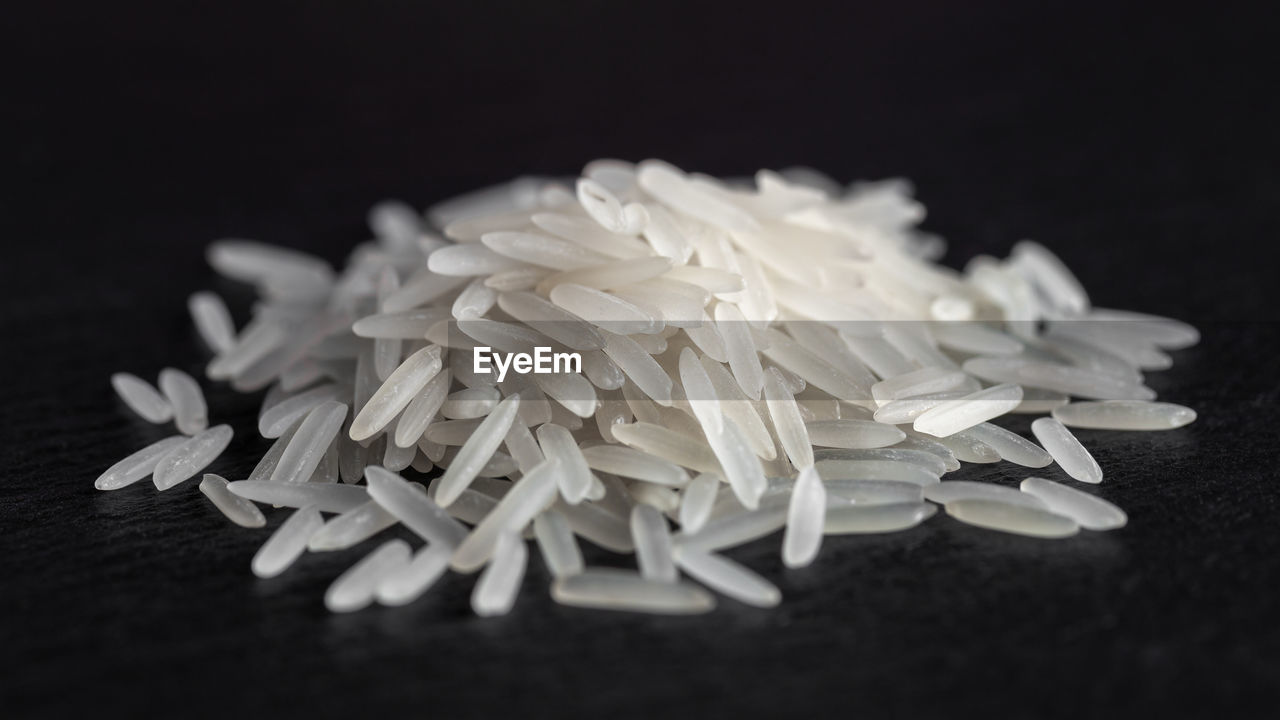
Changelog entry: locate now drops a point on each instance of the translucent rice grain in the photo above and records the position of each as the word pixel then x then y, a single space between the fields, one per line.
pixel 396 393
pixel 601 371
pixel 324 496
pixel 1166 332
pixel 739 465
pixel 734 529
pixel 189 411
pixel 572 391
pixel 412 508
pixel 351 527
pixel 555 539
pixel 182 462
pixel 1124 415
pixel 696 502
pixel 236 509
pixel 601 205
pixel 1059 378
pixel 1011 446
pixel 609 275
pixel 676 192
pixel 355 589
pixel 574 475
pixel 878 518
pixel 975 339
pixel 610 589
pixel 604 310
pixel 927 460
pixel 728 577
pixel 470 403
pixel 1016 519
pixel 495 592
pixel 639 367
pixel 925 381
pixel 551 320
pixel 142 398
pixel 590 235
pixel 405 325
pixel 953 490
pixel 955 415
pixel 420 289
pixel 528 496
pixel 653 544
pixel 394 457
pixel 138 465
pixel 599 525
pixel 970 449
pixel 212 321
pixel 874 492
pixel 699 392
pixel 420 411
pixel 632 463
pixel 1067 450
pixel 403 585
pixel 290 411
pixel 287 543
pixel 874 470
pixel 851 434
pixel 1038 401
pixel 916 441
pixel 1092 513
pixel 542 250
pixel 474 301
pixel 792 356
pixel 257 340
pixel 736 407
pixel 464 261
pixel 1060 288
pixel 804 518
pixel 786 421
pixel 309 443
pixel 741 349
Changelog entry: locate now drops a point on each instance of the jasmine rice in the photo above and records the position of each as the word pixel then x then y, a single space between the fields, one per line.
pixel 730 360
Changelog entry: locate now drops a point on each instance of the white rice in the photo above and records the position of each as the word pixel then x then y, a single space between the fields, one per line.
pixel 953 416
pixel 237 509
pixel 609 589
pixel 728 577
pixel 413 509
pixel 790 343
pixel 805 518
pixel 142 398
pixel 878 518
pixel 1091 512
pixel 355 588
pixel 190 413
pixel 138 465
pixel 311 440
pixel 496 590
pixel 1010 518
pixel 403 585
pixel 1067 450
pixel 184 461
pixel 287 543
pixel 323 496
pixel 653 544
pixel 1124 415
pixel 953 490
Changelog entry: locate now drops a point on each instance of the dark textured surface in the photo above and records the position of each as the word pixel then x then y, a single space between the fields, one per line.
pixel 1141 147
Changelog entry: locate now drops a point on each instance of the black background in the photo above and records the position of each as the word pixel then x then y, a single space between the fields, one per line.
pixel 1140 144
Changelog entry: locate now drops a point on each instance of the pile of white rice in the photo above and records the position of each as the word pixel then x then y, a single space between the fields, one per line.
pixel 755 356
